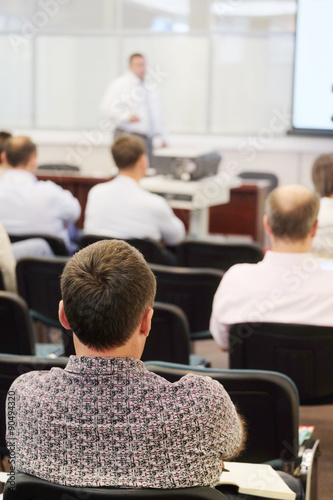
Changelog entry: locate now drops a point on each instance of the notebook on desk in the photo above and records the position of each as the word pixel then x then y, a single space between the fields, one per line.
pixel 260 480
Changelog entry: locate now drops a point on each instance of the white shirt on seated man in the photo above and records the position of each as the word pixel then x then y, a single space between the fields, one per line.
pixel 30 206
pixel 288 285
pixel 123 209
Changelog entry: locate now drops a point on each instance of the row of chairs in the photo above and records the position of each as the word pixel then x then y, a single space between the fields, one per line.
pixel 182 313
pixel 190 253
pixel 268 401
pixel 190 289
pixel 169 339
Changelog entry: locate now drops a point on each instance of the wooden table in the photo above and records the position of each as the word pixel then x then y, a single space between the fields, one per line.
pixel 242 216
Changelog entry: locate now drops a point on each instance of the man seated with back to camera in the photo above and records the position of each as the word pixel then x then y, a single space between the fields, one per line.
pixel 105 420
pixel 121 208
pixel 30 206
pixel 288 285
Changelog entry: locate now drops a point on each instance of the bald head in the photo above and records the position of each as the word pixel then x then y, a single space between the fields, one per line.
pixel 20 151
pixel 292 212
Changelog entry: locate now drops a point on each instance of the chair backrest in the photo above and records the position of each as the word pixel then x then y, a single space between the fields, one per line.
pixel 57 244
pixel 190 289
pixel 303 352
pixel 261 176
pixel 169 338
pixel 2 282
pixel 59 166
pixel 38 282
pixel 267 400
pixel 152 251
pixel 16 330
pixel 31 488
pixel 11 367
pixel 194 253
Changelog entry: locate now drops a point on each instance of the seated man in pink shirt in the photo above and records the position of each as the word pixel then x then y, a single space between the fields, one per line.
pixel 288 285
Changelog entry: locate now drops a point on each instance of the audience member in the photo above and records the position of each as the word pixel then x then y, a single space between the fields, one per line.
pixel 288 286
pixel 105 420
pixel 4 136
pixel 29 206
pixel 322 176
pixel 122 209
pixel 11 252
pixel 7 261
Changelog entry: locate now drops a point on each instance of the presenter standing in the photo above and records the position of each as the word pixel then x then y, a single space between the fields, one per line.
pixel 132 102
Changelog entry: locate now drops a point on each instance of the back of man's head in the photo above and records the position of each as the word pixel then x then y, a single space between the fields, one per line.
pixel 19 151
pixel 106 289
pixel 127 150
pixel 322 175
pixel 4 136
pixel 292 212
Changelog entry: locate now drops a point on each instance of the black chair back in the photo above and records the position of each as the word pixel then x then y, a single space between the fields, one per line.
pixel 57 244
pixel 303 352
pixel 192 290
pixel 194 253
pixel 16 330
pixel 11 367
pixel 267 400
pixel 38 282
pixel 260 176
pixel 2 282
pixel 152 251
pixel 169 338
pixel 31 488
pixel 59 167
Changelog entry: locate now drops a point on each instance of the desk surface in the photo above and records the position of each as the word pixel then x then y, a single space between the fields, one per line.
pixel 241 216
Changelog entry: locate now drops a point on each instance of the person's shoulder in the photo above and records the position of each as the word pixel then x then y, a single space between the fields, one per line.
pixel 120 80
pixel 101 186
pixel 240 271
pixel 35 378
pixel 201 386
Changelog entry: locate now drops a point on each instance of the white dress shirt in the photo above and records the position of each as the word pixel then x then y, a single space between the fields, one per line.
pixel 123 209
pixel 129 95
pixel 29 206
pixel 282 288
pixel 323 242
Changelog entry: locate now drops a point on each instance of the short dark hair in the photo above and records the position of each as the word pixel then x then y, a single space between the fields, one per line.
pixel 322 175
pixel 292 212
pixel 106 289
pixel 132 56
pixel 19 150
pixel 4 136
pixel 126 150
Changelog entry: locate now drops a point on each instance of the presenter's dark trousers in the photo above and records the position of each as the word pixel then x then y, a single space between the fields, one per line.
pixel 148 141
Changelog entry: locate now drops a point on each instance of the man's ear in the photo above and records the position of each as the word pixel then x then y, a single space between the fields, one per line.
pixel 3 157
pixel 62 316
pixel 267 227
pixel 314 229
pixel 146 322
